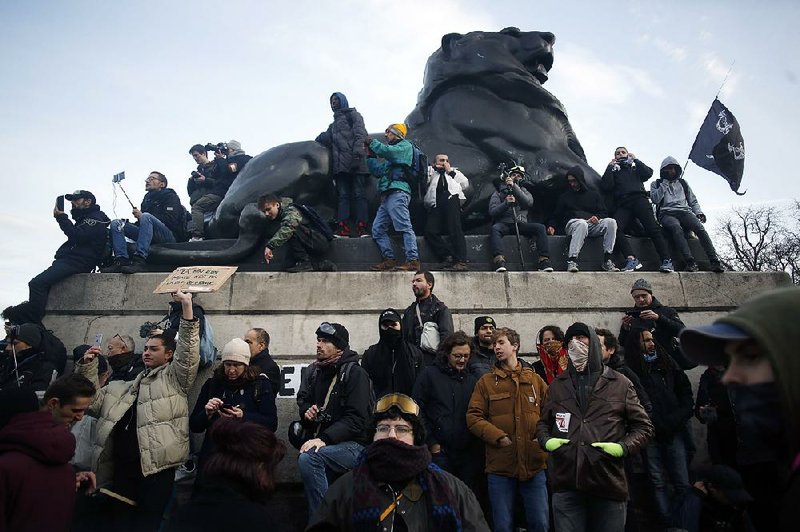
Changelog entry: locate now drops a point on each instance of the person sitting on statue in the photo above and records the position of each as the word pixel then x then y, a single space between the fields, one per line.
pixel 508 208
pixel 305 242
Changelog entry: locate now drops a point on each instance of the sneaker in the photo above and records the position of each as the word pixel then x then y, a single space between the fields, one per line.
pixel 342 230
pixel 717 267
pixel 325 266
pixel 572 266
pixel 691 266
pixel 362 231
pixel 138 264
pixel 119 263
pixel 196 239
pixel 631 265
pixel 500 264
pixel 302 266
pixel 384 265
pixel 609 266
pixel 545 266
pixel 409 266
pixel 666 266
pixel 187 471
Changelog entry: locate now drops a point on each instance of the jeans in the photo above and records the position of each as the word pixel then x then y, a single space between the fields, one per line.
pixel 316 466
pixel 579 229
pixel 499 230
pixel 150 230
pixel 639 208
pixel 666 460
pixel 207 203
pixel 40 285
pixel 675 223
pixel 502 492
pixel 446 218
pixel 394 209
pixel 575 511
pixel 350 187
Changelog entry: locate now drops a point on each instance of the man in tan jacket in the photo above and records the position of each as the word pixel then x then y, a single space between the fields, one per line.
pixel 142 431
pixel 503 412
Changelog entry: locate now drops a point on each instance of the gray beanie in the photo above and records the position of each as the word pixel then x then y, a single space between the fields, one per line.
pixel 642 284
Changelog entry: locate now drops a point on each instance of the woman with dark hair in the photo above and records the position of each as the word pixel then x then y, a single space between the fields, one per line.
pixel 238 479
pixel 670 393
pixel 236 391
pixel 552 353
pixel 394 485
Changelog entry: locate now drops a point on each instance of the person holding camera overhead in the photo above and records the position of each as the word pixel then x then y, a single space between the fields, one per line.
pixel 334 400
pixel 508 207
pixel 236 391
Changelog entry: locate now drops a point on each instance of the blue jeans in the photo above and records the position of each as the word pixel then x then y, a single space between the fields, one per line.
pixel 394 208
pixel 315 467
pixel 503 491
pixel 150 230
pixel 575 511
pixel 351 186
pixel 666 460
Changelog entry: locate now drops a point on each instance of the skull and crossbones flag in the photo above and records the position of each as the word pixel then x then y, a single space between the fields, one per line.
pixel 719 146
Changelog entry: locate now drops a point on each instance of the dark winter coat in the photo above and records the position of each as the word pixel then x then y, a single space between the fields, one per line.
pixel 582 204
pixel 665 330
pixel 430 309
pixel 221 505
pixel 613 413
pixel 626 181
pixel 86 237
pixel 125 366
pixel 269 368
pixel 501 211
pixel 392 364
pixel 165 205
pixel 213 170
pixel 617 363
pixel 235 163
pixel 482 359
pixel 348 410
pixel 37 482
pixel 443 395
pixel 345 138
pixel 34 368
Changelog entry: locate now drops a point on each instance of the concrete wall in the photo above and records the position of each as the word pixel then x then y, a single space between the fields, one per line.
pixel 291 306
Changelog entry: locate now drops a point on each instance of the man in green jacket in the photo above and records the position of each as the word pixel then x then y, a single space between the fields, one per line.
pixel 395 192
pixel 142 431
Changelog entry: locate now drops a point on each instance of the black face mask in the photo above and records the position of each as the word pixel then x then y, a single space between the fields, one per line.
pixel 390 336
pixel 759 421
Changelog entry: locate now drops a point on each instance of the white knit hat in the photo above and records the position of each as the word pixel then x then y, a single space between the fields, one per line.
pixel 236 350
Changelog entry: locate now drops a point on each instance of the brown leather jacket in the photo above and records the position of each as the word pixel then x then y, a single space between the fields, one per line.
pixel 613 414
pixel 508 403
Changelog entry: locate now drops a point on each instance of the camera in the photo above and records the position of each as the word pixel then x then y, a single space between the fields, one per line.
pixel 633 313
pixel 323 417
pixel 195 174
pixel 148 327
pixel 218 147
pixel 12 332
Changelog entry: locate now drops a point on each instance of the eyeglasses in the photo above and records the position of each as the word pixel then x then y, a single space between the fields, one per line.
pixel 406 404
pixel 400 430
pixel 460 356
pixel 326 328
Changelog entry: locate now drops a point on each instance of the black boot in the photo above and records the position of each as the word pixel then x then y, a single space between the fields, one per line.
pixel 138 264
pixel 117 266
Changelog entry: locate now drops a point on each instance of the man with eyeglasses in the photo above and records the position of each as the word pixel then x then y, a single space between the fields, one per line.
pixel 125 364
pixel 396 486
pixel 161 219
pixel 334 400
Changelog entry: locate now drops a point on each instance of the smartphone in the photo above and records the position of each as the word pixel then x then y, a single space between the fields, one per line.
pixel 633 313
pixel 60 203
pixel 98 340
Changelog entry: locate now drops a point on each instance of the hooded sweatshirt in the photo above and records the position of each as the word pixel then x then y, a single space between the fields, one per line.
pixel 86 237
pixel 669 195
pixel 37 483
pixel 392 363
pixel 583 203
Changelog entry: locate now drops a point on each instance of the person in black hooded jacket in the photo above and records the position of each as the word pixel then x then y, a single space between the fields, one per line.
pixel 581 212
pixel 86 242
pixel 392 364
pixel 24 365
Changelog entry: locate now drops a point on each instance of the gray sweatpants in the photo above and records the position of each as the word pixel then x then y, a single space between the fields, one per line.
pixel 579 229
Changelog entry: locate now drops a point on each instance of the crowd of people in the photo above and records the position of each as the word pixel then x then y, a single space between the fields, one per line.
pixel 431 429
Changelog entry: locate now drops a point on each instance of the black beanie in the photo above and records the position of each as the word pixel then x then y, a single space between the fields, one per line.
pixel 480 321
pixel 340 338
pixel 576 329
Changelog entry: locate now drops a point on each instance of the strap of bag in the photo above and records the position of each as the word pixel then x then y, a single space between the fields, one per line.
pixel 419 317
pixel 327 398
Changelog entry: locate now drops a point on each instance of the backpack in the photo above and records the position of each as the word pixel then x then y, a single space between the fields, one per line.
pixel 208 352
pixel 315 220
pixel 417 174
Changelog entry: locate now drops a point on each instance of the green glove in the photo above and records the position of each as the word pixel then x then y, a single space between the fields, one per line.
pixel 554 443
pixel 612 449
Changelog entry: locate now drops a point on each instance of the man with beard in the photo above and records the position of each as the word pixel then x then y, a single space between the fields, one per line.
pixel 552 353
pixel 86 241
pixel 586 470
pixel 392 364
pixel 581 212
pixel 757 345
pixel 125 364
pixel 334 399
pixel 394 486
pixel 161 219
pixel 482 358
pixel 503 411
pixel 427 309
pixel 678 211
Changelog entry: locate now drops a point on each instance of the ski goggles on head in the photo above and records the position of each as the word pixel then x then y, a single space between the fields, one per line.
pixel 406 404
pixel 326 328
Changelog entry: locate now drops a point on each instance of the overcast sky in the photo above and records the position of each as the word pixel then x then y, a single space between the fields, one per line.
pixel 93 88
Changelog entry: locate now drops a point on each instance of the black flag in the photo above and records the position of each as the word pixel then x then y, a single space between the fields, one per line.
pixel 719 146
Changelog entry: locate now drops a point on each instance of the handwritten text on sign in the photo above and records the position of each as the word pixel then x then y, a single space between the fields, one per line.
pixel 196 279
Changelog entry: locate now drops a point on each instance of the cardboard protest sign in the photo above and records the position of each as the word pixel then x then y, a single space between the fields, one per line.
pixel 196 279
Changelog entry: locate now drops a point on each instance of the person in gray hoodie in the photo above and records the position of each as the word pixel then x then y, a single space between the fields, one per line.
pixel 678 211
